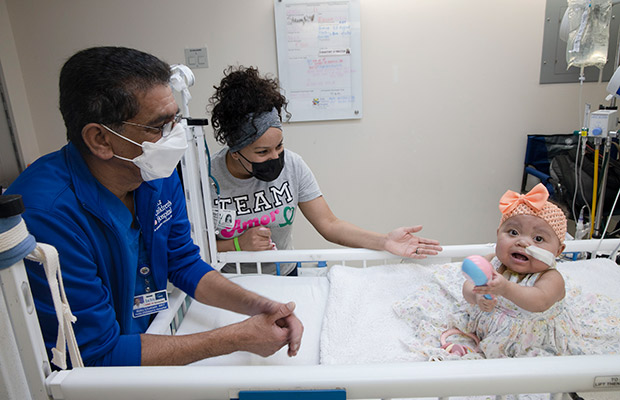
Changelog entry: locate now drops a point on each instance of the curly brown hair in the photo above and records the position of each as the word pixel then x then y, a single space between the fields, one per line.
pixel 243 91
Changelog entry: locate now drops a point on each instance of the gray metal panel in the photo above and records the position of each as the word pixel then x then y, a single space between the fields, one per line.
pixel 553 62
pixel 11 164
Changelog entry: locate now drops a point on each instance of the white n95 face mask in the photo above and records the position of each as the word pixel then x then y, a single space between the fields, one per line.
pixel 159 159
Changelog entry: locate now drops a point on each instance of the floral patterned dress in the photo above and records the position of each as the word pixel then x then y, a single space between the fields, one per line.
pixel 510 331
pixel 583 323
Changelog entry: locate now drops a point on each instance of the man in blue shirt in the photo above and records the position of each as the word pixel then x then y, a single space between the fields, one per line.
pixel 112 204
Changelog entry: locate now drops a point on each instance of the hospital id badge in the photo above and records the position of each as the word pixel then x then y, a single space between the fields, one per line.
pixel 224 219
pixel 150 303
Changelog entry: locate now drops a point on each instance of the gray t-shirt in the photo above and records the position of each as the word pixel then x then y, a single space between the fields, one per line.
pixel 258 203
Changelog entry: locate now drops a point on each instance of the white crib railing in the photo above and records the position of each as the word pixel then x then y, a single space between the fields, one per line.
pixel 343 256
pixel 436 379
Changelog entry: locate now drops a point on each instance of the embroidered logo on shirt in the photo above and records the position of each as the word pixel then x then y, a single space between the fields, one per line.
pixel 163 213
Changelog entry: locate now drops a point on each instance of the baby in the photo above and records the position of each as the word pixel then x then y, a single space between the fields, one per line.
pixel 525 315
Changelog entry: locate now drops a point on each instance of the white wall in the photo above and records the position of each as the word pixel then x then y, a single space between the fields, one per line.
pixel 450 90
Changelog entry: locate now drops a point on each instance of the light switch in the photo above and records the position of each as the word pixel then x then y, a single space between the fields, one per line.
pixel 196 57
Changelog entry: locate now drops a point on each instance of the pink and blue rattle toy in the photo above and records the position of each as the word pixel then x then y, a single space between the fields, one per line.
pixel 478 270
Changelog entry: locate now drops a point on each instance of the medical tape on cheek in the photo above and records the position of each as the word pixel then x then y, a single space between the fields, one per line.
pixel 543 255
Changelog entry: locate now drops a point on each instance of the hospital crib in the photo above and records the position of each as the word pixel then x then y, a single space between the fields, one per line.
pixel 553 375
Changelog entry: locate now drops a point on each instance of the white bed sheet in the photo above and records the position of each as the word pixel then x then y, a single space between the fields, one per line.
pixel 310 297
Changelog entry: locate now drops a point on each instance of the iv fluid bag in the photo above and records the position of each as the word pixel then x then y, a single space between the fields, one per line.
pixel 588 32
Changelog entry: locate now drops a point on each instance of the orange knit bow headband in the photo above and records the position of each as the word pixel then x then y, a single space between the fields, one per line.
pixel 534 203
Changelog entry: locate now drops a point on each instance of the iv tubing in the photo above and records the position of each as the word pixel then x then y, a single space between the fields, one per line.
pixel 581 79
pixel 602 186
pixel 576 178
pixel 215 183
pixel 578 169
pixel 594 188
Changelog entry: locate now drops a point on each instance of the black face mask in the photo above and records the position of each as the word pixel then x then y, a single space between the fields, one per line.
pixel 267 170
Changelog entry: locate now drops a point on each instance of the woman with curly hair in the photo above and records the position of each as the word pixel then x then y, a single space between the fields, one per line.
pixel 262 185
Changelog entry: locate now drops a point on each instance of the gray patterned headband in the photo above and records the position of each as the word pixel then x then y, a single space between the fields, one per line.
pixel 254 127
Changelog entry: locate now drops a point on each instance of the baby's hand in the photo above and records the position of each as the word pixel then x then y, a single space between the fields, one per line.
pixel 485 304
pixel 496 286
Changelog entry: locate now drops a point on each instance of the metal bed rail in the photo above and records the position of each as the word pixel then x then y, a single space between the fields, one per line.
pixel 449 253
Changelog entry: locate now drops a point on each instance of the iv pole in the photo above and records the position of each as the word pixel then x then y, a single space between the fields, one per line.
pixel 194 169
pixel 597 207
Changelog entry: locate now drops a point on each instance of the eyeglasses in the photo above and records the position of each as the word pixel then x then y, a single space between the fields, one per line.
pixel 164 129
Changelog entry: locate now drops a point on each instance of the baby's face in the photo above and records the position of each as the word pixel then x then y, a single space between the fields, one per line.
pixel 519 232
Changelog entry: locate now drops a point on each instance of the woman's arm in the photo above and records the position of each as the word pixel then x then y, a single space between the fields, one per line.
pixel 338 231
pixel 401 241
pixel 225 245
pixel 254 239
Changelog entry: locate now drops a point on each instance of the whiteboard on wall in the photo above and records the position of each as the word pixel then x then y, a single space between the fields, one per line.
pixel 319 58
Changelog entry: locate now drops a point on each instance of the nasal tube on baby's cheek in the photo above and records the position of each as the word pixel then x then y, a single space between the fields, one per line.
pixel 543 255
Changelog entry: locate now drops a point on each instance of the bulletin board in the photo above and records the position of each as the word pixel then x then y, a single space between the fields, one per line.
pixel 319 58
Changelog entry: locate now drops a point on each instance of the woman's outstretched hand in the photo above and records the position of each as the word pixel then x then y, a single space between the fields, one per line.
pixel 403 242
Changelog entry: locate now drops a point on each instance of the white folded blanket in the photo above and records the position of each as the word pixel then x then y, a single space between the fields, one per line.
pixel 360 325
